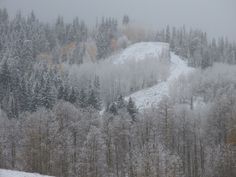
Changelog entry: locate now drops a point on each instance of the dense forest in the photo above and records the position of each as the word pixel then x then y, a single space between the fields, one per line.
pixel 64 113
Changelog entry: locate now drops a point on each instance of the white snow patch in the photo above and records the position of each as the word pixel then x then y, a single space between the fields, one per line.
pixel 152 96
pixel 10 173
pixel 142 51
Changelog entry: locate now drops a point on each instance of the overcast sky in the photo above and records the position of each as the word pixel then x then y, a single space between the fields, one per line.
pixel 217 17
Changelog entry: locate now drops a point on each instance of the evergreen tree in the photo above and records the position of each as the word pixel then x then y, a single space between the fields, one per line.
pixel 73 96
pixel 60 94
pixel 206 60
pixel 10 106
pixel 63 93
pixel 102 42
pixel 60 30
pixel 173 41
pixel 93 100
pixel 13 110
pixel 82 99
pixel 106 32
pixel 96 88
pixel 120 102
pixel 126 20
pixel 5 79
pixel 3 16
pixel 131 108
pixel 113 109
pixel 66 94
pixel 23 97
pixel 167 37
pixel 48 95
pixel 36 98
pixel 30 98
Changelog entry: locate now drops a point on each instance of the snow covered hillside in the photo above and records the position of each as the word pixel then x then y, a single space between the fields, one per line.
pixel 152 96
pixel 142 51
pixel 10 173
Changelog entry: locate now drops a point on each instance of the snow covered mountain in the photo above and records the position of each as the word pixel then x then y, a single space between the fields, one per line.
pixel 141 51
pixel 10 173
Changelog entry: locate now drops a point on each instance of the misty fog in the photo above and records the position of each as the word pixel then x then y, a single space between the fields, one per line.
pixel 216 17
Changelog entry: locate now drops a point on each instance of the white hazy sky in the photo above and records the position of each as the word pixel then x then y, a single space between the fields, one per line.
pixel 217 17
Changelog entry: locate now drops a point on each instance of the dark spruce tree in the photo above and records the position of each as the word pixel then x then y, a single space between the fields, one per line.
pixel 48 95
pixel 126 20
pixel 36 97
pixel 73 96
pixel 23 97
pixel 131 108
pixel 5 79
pixel 106 32
pixel 113 109
pixel 93 101
pixel 82 99
pixel 120 102
pixel 60 94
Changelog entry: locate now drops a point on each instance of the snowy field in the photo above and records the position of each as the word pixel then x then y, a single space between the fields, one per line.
pixel 153 50
pixel 10 173
pixel 152 96
pixel 143 50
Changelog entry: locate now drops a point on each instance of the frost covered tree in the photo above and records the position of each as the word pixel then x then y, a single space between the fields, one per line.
pixel 106 32
pixel 131 108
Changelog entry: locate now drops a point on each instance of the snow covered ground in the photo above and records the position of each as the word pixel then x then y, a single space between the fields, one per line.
pixel 158 50
pixel 152 96
pixel 142 51
pixel 10 173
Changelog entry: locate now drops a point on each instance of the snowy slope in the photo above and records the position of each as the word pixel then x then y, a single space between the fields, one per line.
pixel 142 51
pixel 152 96
pixel 10 173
